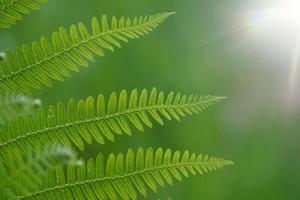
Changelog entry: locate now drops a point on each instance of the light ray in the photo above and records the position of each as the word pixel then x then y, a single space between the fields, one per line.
pixel 294 74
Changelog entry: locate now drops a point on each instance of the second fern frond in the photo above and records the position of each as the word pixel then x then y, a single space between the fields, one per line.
pixel 85 120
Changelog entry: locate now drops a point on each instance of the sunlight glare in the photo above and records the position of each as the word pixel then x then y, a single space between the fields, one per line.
pixel 288 11
pixel 283 20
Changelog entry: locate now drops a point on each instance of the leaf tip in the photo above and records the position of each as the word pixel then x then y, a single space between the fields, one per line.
pixel 228 162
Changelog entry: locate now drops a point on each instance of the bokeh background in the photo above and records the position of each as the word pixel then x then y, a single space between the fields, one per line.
pixel 208 47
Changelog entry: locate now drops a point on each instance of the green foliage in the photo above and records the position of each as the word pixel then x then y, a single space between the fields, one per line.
pixel 122 176
pixel 90 119
pixel 11 11
pixel 32 144
pixel 13 106
pixel 32 66
pixel 26 170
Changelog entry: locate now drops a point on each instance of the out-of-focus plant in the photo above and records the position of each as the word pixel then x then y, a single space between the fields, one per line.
pixel 36 159
pixel 14 106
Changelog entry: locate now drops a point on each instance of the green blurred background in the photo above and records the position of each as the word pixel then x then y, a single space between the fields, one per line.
pixel 208 47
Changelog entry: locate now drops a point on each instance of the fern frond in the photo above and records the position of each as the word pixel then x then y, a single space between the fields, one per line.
pixel 31 67
pixel 85 120
pixel 13 106
pixel 24 171
pixel 12 11
pixel 123 176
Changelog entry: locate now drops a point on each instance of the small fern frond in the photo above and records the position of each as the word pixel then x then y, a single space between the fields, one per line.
pixel 24 171
pixel 12 11
pixel 123 176
pixel 33 66
pixel 85 120
pixel 13 106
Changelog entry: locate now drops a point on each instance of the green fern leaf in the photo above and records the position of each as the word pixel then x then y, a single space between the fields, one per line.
pixel 25 171
pixel 11 11
pixel 85 120
pixel 13 106
pixel 122 176
pixel 31 67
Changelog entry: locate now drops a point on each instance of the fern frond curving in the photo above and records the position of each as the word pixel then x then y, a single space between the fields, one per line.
pixel 31 67
pixel 123 176
pixel 12 11
pixel 25 170
pixel 85 120
pixel 13 106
